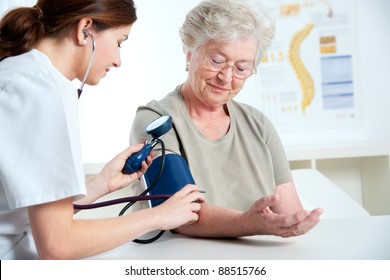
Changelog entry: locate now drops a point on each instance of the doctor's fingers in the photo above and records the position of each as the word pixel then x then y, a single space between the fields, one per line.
pixel 130 150
pixel 177 215
pixel 185 198
pixel 194 197
pixel 187 190
pixel 144 166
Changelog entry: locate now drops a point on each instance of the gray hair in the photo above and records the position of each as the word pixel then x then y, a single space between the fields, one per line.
pixel 225 21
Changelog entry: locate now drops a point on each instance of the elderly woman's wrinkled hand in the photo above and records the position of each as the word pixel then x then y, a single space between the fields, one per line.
pixel 261 220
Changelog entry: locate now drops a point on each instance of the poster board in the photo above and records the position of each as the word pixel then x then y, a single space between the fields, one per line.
pixel 307 80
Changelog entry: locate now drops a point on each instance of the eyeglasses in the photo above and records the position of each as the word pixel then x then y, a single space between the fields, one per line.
pixel 239 71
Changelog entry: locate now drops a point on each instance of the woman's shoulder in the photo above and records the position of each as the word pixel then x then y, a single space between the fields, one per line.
pixel 32 59
pixel 167 104
pixel 32 66
pixel 35 87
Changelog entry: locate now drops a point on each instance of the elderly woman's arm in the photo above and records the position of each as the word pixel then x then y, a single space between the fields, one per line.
pixel 263 218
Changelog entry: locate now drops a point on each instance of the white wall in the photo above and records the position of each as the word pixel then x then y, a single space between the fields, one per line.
pixel 153 63
pixel 374 67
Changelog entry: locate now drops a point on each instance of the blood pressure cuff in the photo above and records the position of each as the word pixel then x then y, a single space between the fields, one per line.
pixel 175 175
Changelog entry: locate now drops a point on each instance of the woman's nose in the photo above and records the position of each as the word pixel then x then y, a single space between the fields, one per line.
pixel 226 74
pixel 117 62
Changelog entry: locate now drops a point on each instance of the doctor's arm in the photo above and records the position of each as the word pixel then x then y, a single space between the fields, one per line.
pixel 58 235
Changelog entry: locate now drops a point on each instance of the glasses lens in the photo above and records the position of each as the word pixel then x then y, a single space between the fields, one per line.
pixel 240 72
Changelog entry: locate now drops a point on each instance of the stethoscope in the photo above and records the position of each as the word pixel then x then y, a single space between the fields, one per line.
pixel 86 34
pixel 157 129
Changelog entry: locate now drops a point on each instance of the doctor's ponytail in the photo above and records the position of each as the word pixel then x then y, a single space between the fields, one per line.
pixel 20 30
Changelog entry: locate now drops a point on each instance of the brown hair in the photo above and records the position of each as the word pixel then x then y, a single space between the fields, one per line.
pixel 22 28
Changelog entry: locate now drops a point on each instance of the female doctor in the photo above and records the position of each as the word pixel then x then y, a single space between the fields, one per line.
pixel 42 49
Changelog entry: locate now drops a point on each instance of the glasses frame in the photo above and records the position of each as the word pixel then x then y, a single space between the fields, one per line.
pixel 216 68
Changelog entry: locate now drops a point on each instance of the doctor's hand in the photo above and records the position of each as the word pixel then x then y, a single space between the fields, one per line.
pixel 112 171
pixel 111 177
pixel 261 220
pixel 180 209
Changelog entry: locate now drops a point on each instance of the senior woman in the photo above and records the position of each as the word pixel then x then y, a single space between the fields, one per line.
pixel 232 149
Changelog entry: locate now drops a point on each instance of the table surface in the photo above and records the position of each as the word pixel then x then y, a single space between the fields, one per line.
pixel 332 239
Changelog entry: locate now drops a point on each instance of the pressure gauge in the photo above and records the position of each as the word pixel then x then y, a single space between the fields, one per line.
pixel 159 126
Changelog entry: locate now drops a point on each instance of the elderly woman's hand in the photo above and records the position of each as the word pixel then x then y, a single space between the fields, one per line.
pixel 261 220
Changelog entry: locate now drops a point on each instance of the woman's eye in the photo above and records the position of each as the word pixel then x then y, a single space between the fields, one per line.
pixel 243 68
pixel 218 62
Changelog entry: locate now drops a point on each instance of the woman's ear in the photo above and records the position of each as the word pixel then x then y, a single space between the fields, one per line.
pixel 82 31
pixel 188 57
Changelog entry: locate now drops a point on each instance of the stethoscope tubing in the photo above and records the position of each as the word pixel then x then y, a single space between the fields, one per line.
pixel 121 200
pixel 80 90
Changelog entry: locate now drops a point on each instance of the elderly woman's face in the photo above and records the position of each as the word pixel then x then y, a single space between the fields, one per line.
pixel 212 77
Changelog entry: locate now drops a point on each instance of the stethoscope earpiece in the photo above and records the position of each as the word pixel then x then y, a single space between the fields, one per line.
pixel 86 34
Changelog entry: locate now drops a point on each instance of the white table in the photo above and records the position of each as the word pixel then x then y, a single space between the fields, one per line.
pixel 333 239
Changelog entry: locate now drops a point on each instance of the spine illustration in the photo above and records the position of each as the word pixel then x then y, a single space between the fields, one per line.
pixel 305 80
